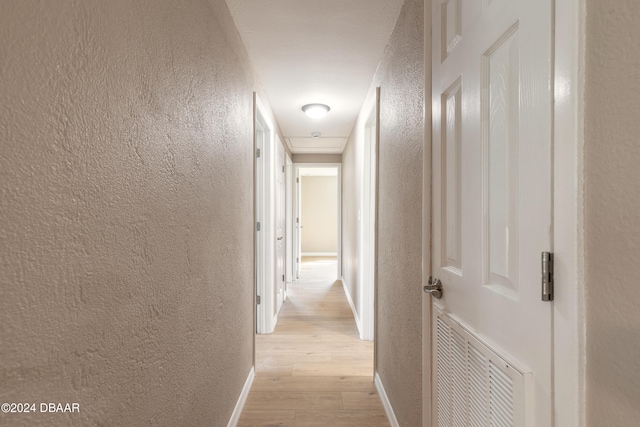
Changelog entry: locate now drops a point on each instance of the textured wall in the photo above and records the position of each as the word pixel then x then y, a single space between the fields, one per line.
pixel 399 309
pixel 316 158
pixel 612 212
pixel 399 313
pixel 126 263
pixel 319 205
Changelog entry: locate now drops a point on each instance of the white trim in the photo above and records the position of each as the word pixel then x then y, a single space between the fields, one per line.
pixel 320 254
pixel 568 214
pixel 290 258
pixel 391 416
pixel 353 307
pixel 242 399
pixel 426 219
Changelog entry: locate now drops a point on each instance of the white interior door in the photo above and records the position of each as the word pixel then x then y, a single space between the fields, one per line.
pixel 297 246
pixel 289 215
pixel 265 169
pixel 281 284
pixel 491 216
pixel 368 206
pixel 260 138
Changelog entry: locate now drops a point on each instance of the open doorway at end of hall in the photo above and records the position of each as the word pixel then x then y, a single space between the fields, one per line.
pixel 317 204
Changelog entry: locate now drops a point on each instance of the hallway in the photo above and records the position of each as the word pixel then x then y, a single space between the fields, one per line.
pixel 314 370
pixel 129 208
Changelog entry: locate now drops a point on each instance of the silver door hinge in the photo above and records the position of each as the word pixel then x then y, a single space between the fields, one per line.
pixel 257 299
pixel 283 169
pixel 258 152
pixel 298 180
pixel 258 226
pixel 297 259
pixel 547 276
pixel 283 277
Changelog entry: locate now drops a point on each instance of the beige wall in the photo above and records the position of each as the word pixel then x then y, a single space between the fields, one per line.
pixel 126 263
pixel 612 212
pixel 399 329
pixel 316 158
pixel 319 216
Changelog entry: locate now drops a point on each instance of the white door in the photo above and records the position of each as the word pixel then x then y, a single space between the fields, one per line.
pixel 280 225
pixel 289 215
pixel 491 215
pixel 265 170
pixel 368 240
pixel 297 246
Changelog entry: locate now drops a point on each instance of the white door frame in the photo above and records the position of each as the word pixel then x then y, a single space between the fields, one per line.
pixel 280 218
pixel 264 140
pixel 296 254
pixel 427 385
pixel 568 214
pixel 368 205
pixel 289 180
pixel 296 204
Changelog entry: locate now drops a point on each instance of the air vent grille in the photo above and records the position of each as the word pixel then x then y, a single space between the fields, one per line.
pixel 475 386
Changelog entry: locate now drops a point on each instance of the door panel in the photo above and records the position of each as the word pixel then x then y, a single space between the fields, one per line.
pixel 491 195
pixel 298 226
pixel 280 225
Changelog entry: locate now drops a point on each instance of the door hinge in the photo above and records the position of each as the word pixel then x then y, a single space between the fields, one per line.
pixel 298 180
pixel 258 152
pixel 283 277
pixel 283 169
pixel 547 276
pixel 297 220
pixel 257 299
pixel 297 259
pixel 258 226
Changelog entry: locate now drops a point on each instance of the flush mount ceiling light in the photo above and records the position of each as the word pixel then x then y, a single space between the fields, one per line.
pixel 316 111
pixel 315 134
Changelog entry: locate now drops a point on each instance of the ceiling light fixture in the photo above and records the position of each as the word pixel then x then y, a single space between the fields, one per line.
pixel 315 134
pixel 316 111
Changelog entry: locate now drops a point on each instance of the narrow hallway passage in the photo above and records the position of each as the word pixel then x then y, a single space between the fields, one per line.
pixel 314 370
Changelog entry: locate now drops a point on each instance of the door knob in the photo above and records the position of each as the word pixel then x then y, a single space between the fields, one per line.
pixel 434 287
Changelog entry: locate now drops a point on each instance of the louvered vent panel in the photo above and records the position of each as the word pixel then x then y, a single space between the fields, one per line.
pixel 477 384
pixel 459 377
pixel 443 374
pixel 500 397
pixel 474 385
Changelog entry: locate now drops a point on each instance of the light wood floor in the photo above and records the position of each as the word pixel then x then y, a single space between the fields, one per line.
pixel 314 370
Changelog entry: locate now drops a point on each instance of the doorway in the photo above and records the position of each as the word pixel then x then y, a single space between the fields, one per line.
pixel 270 244
pixel 317 214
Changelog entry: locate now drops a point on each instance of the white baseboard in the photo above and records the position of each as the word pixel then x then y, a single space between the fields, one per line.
pixel 385 402
pixel 237 411
pixel 353 307
pixel 319 254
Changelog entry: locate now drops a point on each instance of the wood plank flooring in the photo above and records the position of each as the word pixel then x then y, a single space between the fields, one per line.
pixel 314 371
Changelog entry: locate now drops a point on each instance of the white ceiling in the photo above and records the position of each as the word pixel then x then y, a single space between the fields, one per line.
pixel 315 51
